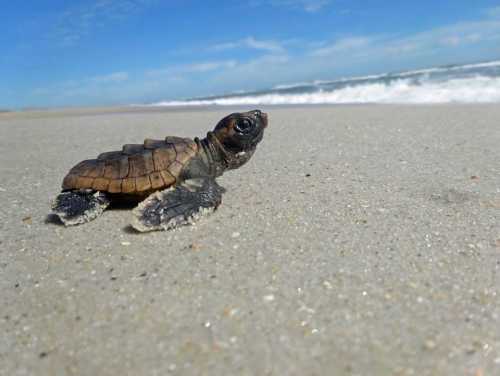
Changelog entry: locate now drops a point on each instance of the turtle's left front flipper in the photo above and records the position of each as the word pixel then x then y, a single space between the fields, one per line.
pixel 178 205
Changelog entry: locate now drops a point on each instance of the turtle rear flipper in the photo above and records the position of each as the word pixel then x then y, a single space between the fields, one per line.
pixel 179 205
pixel 79 206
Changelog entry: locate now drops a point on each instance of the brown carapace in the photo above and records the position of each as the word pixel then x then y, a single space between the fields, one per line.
pixel 137 169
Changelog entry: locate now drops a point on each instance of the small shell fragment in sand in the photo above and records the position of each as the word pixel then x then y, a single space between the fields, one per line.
pixel 429 344
pixel 194 246
pixel 269 298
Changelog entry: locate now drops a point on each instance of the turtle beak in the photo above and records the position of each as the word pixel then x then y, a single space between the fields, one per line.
pixel 262 116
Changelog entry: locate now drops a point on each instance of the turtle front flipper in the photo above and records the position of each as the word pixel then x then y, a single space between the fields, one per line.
pixel 79 206
pixel 178 205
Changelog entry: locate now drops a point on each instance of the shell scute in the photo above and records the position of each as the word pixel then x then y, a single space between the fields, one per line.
pixel 115 186
pixel 154 144
pixel 140 164
pixel 100 184
pixel 142 183
pixel 128 185
pixel 175 168
pixel 180 147
pixel 167 177
pixel 90 168
pixel 163 157
pixel 131 149
pixel 70 181
pixel 84 182
pixel 110 155
pixel 174 140
pixel 156 180
pixel 113 167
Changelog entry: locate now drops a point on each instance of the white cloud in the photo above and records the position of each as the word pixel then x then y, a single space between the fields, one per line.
pixel 343 45
pixel 270 46
pixel 493 12
pixel 253 72
pixel 83 86
pixel 77 22
pixel 110 78
pixel 199 67
pixel 249 43
pixel 314 6
pixel 209 66
pixel 460 34
pixel 310 6
pixel 426 42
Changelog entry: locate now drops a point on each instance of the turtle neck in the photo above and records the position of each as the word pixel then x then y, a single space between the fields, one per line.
pixel 214 154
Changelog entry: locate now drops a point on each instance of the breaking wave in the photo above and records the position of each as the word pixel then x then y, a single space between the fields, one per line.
pixel 471 83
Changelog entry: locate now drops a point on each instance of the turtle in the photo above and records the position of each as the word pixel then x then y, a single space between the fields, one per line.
pixel 171 180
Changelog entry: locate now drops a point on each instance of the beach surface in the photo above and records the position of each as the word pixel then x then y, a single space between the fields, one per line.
pixel 358 240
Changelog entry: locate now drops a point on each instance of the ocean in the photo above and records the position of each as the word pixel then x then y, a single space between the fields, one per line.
pixel 469 83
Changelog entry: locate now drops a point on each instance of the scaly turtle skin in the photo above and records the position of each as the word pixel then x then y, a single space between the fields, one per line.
pixel 174 178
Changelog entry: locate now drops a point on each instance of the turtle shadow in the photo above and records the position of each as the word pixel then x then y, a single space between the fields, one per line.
pixel 122 205
pixel 129 229
pixel 125 206
pixel 53 219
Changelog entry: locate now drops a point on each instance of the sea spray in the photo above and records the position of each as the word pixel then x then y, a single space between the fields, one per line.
pixel 471 83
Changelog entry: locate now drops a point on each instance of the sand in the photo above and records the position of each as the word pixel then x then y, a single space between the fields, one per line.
pixel 359 240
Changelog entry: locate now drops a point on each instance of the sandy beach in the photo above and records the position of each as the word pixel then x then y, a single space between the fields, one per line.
pixel 359 240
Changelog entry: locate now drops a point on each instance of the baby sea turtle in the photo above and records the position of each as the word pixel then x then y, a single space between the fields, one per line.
pixel 173 179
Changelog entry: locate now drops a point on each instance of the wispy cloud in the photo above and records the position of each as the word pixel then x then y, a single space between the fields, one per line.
pixel 460 34
pixel 493 12
pixel 426 42
pixel 199 67
pixel 77 22
pixel 110 78
pixel 310 6
pixel 83 86
pixel 347 44
pixel 250 43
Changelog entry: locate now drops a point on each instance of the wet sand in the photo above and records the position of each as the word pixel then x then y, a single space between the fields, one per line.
pixel 359 240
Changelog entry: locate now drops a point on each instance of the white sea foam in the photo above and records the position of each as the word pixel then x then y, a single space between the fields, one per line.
pixel 491 64
pixel 291 86
pixel 479 89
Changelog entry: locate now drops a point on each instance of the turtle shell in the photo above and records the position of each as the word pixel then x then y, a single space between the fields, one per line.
pixel 136 169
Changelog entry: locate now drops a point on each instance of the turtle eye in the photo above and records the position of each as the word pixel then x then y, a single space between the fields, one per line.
pixel 243 126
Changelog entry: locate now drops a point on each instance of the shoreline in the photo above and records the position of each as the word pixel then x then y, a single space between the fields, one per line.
pixel 123 109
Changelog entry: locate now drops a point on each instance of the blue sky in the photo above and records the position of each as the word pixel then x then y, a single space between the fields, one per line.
pixel 102 52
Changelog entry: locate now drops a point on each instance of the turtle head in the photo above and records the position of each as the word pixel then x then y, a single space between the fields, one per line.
pixel 239 134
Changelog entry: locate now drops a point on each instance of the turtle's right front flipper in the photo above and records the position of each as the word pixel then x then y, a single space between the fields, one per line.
pixel 178 205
